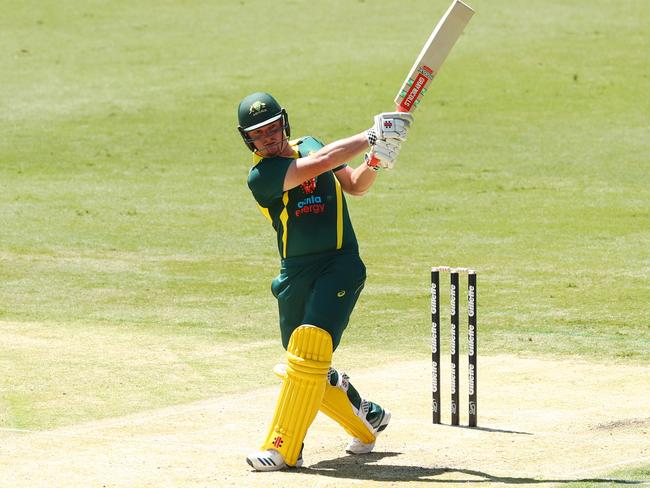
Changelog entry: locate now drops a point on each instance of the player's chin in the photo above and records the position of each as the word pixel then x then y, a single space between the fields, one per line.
pixel 266 154
pixel 272 149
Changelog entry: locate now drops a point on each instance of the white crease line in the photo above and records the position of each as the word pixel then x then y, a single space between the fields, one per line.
pixel 213 405
pixel 157 441
pixel 25 431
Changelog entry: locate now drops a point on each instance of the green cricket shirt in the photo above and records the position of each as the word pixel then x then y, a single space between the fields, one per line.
pixel 311 218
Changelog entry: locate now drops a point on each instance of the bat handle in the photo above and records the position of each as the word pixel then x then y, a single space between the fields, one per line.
pixel 373 162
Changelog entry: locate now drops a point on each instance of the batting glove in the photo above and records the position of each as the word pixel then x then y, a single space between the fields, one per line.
pixel 389 125
pixel 383 154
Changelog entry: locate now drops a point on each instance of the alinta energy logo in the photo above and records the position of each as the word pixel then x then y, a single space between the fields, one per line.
pixel 310 205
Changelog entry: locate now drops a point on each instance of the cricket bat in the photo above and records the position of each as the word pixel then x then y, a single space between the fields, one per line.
pixel 433 54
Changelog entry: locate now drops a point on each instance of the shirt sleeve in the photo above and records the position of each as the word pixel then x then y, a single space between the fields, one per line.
pixel 266 179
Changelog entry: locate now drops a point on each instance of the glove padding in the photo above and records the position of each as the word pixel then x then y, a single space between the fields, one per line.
pixel 383 154
pixel 390 125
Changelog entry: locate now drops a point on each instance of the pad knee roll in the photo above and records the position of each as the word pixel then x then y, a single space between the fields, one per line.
pixel 310 350
pixel 309 355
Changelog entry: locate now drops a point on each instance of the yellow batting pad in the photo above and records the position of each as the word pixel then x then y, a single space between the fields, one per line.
pixel 309 354
pixel 337 407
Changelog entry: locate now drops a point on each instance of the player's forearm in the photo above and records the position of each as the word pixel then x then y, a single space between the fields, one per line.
pixel 361 180
pixel 325 159
pixel 342 151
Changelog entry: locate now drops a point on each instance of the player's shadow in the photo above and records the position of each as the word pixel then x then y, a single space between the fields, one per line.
pixel 363 467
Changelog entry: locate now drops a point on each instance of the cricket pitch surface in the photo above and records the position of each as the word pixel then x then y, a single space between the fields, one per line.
pixel 541 422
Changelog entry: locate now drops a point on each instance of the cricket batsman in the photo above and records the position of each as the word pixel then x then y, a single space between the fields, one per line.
pixel 299 186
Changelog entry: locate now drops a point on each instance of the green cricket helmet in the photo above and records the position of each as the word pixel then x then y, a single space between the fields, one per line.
pixel 258 110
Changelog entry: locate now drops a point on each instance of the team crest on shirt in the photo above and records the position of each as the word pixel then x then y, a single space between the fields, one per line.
pixel 309 186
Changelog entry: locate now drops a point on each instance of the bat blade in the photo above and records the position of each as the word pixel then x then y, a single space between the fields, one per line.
pixel 433 54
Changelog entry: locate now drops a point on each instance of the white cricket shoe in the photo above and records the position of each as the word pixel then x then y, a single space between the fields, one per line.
pixel 357 447
pixel 270 460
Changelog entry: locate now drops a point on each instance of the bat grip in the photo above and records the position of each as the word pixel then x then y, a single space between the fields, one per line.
pixel 373 162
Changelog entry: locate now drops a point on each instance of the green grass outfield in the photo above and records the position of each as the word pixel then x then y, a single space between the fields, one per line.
pixel 627 477
pixel 135 269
